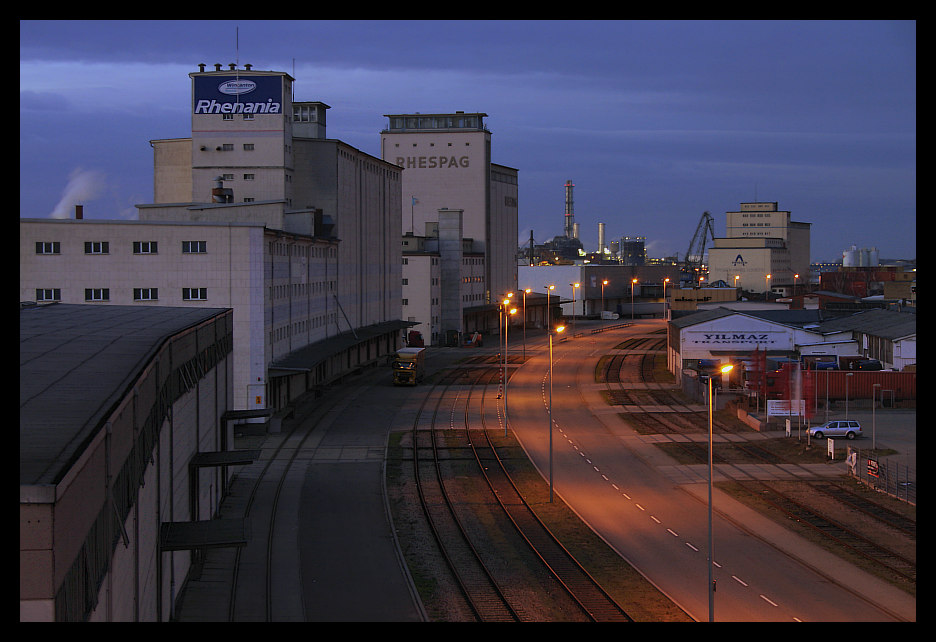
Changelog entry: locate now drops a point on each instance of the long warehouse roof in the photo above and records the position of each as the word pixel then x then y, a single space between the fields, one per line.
pixel 76 363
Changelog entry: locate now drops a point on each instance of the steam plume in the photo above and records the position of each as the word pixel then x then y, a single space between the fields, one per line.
pixel 83 185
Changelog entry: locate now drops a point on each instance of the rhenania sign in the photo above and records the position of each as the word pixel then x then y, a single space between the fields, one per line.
pixel 237 94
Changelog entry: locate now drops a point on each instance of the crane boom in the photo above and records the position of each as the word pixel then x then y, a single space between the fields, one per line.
pixel 695 257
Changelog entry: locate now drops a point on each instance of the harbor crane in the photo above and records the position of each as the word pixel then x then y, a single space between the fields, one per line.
pixel 694 262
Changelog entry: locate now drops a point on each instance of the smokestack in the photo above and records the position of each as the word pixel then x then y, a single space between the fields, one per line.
pixel 601 243
pixel 569 211
pixel 79 212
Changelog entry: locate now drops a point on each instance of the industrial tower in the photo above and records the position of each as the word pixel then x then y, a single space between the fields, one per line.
pixel 569 211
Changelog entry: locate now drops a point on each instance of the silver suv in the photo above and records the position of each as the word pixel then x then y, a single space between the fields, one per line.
pixel 849 429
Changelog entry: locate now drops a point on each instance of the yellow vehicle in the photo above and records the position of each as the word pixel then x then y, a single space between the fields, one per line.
pixel 408 366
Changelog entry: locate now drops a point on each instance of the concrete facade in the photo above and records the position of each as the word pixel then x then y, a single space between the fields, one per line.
pixel 761 240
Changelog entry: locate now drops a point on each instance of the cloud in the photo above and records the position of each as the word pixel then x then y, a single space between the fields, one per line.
pixel 83 185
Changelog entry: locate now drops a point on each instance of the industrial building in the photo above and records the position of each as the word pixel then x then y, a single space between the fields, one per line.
pixel 268 265
pixel 258 211
pixel 732 336
pixel 459 222
pixel 763 250
pixel 125 440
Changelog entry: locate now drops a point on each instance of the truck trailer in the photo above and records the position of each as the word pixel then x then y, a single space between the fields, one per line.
pixel 409 366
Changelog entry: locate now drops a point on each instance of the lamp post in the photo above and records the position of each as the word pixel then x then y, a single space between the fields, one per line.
pixel 526 291
pixel 711 543
pixel 574 287
pixel 603 283
pixel 847 375
pixel 507 314
pixel 633 282
pixel 547 319
pixel 767 293
pixel 549 409
pixel 873 414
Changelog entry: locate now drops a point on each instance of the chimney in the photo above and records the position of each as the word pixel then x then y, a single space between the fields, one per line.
pixel 79 212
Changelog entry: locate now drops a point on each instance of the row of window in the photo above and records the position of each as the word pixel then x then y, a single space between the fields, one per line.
pixel 103 294
pixel 139 247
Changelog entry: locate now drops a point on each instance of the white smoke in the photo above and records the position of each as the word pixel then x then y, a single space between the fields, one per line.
pixel 83 185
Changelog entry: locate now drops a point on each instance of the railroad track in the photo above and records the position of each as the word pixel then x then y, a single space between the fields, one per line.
pixel 475 572
pixel 253 583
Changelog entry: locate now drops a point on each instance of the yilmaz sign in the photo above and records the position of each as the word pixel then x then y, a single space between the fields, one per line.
pixel 237 94
pixel 737 340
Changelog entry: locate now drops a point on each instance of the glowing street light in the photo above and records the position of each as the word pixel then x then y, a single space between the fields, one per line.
pixel 549 409
pixel 633 282
pixel 603 283
pixel 711 544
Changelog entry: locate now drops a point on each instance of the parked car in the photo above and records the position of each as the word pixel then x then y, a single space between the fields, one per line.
pixel 838 428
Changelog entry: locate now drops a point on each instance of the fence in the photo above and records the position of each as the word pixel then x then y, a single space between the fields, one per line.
pixel 887 476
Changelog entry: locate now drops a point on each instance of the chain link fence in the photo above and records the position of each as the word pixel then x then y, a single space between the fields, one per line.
pixel 885 475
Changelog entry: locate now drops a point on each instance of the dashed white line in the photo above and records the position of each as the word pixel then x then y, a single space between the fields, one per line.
pixel 692 547
pixel 739 580
pixel 655 519
pixel 672 532
pixel 639 506
pixel 766 599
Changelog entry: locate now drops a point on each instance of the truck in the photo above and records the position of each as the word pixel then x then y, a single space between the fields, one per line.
pixel 409 366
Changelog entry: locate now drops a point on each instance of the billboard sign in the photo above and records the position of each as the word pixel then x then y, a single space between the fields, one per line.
pixel 237 94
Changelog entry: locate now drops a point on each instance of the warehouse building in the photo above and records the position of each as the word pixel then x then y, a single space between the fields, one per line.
pixel 258 211
pixel 451 187
pixel 125 445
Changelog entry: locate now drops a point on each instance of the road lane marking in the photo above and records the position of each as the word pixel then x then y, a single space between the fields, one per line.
pixel 739 580
pixel 655 519
pixel 692 547
pixel 766 599
pixel 672 532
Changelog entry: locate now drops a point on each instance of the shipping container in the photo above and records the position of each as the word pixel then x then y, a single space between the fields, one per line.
pixel 893 387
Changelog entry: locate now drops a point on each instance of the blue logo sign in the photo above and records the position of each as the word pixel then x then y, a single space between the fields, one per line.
pixel 237 94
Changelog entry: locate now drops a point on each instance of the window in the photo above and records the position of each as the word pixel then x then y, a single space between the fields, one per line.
pixel 47 248
pixel 96 247
pixel 194 247
pixel 248 177
pixel 145 294
pixel 227 147
pixel 97 294
pixel 194 294
pixel 248 147
pixel 48 294
pixel 144 247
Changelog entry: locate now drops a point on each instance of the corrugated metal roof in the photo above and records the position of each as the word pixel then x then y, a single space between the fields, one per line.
pixel 887 324
pixel 76 362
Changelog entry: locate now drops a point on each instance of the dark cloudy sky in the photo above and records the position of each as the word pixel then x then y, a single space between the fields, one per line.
pixel 654 122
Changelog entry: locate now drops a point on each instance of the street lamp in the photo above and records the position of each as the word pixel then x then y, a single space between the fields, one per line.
pixel 711 544
pixel 547 319
pixel 603 283
pixel 507 314
pixel 847 375
pixel 665 281
pixel 633 282
pixel 549 409
pixel 526 291
pixel 574 286
pixel 767 293
pixel 873 415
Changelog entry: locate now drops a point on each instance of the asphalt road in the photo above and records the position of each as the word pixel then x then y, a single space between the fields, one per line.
pixel 618 483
